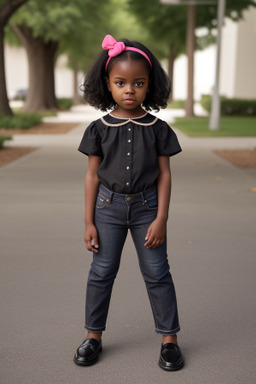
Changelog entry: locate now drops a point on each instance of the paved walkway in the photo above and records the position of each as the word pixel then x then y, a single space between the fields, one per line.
pixel 212 242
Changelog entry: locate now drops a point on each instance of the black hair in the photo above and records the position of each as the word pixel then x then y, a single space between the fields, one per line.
pixel 95 90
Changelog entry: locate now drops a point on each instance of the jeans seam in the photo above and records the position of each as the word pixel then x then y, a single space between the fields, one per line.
pixel 153 308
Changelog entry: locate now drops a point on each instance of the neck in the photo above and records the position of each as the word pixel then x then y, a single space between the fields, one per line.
pixel 128 114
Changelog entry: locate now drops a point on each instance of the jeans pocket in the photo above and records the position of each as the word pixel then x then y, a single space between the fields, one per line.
pixel 152 202
pixel 101 201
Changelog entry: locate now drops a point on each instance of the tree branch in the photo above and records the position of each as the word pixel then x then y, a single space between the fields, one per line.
pixel 8 8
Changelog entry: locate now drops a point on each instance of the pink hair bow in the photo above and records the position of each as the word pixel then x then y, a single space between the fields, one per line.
pixel 114 47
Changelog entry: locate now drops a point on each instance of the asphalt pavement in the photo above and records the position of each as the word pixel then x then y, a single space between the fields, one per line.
pixel 44 267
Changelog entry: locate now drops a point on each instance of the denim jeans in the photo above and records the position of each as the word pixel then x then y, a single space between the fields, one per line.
pixel 114 215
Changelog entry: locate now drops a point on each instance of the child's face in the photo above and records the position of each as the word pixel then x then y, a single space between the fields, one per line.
pixel 128 83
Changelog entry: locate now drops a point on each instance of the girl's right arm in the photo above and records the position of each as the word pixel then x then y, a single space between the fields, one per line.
pixel 91 191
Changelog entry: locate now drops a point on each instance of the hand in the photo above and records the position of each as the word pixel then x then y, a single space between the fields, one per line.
pixel 156 234
pixel 91 238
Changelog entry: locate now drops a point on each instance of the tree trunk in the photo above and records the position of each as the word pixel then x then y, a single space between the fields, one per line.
pixel 49 63
pixel 41 57
pixel 171 59
pixel 76 98
pixel 4 103
pixel 191 24
pixel 7 9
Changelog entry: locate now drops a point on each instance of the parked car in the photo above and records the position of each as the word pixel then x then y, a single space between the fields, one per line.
pixel 20 94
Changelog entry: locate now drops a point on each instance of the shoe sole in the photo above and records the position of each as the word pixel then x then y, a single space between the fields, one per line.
pixel 174 367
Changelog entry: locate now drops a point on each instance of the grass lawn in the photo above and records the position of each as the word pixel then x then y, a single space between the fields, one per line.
pixel 229 126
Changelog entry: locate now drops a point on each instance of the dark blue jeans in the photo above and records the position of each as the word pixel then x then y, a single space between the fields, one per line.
pixel 114 215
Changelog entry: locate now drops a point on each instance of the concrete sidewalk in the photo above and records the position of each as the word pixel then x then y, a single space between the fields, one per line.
pixel 211 245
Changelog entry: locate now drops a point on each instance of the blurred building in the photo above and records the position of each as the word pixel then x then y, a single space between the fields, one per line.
pixel 238 77
pixel 238 63
pixel 16 67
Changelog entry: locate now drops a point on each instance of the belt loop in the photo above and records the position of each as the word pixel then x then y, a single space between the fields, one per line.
pixel 111 196
pixel 143 200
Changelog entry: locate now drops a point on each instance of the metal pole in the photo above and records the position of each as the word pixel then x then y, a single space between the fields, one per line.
pixel 215 110
pixel 190 41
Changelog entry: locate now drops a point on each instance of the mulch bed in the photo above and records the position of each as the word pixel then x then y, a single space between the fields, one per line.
pixel 9 154
pixel 41 129
pixel 243 158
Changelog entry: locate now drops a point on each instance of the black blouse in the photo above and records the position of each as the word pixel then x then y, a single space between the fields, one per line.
pixel 129 149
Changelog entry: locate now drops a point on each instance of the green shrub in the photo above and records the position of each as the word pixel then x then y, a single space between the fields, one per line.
pixel 20 120
pixel 3 139
pixel 177 104
pixel 238 107
pixel 231 107
pixel 65 103
pixel 206 101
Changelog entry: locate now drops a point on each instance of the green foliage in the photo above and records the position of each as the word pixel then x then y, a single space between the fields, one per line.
pixel 123 24
pixel 51 19
pixel 229 127
pixel 77 26
pixel 231 107
pixel 165 24
pixel 65 103
pixel 207 14
pixel 20 120
pixel 3 139
pixel 235 8
pixel 238 107
pixel 177 104
pixel 206 101
pixel 204 41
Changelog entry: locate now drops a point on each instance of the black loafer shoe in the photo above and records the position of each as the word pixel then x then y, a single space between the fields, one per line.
pixel 171 358
pixel 88 352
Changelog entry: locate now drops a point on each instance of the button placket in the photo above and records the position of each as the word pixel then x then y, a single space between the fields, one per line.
pixel 128 157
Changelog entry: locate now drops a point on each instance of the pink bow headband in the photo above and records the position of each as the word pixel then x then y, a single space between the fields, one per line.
pixel 116 47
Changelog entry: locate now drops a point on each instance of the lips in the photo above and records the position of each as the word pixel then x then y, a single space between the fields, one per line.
pixel 129 101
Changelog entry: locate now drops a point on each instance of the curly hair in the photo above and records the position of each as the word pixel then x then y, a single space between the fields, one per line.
pixel 95 90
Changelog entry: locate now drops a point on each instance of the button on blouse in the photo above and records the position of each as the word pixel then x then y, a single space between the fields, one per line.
pixel 129 149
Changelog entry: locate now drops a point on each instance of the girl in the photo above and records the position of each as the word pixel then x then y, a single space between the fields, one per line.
pixel 128 186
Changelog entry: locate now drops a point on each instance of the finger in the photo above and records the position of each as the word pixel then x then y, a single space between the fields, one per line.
pixel 147 235
pixel 92 249
pixel 90 245
pixel 150 243
pixel 94 242
pixel 156 244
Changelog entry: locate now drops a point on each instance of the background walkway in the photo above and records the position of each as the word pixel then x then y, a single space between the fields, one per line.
pixel 44 268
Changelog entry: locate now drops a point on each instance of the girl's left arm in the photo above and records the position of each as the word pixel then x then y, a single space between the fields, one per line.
pixel 157 230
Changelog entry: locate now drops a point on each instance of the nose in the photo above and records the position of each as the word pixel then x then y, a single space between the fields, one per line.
pixel 129 88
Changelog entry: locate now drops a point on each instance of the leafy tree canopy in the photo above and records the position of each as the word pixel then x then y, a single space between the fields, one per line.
pixel 167 23
pixel 76 26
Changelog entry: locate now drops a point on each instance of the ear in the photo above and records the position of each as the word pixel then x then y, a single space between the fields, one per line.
pixel 107 81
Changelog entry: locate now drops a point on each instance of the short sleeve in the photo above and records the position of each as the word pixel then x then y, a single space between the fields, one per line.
pixel 91 141
pixel 167 141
